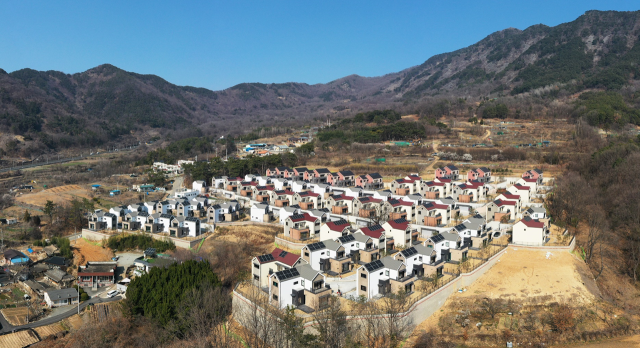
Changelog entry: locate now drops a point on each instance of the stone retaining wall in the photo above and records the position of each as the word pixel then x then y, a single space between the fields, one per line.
pixel 179 243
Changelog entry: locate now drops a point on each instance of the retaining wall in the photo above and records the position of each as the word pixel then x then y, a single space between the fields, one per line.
pixel 179 243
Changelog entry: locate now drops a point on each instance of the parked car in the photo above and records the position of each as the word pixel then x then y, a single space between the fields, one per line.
pixel 112 293
pixel 115 258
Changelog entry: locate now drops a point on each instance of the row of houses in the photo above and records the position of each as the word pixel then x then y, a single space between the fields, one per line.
pixel 301 280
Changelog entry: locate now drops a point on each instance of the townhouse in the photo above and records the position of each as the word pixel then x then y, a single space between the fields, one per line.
pixel 536 213
pixel 534 174
pixel 182 226
pixel 367 206
pixel 383 277
pixel 474 232
pixel 327 256
pixel 416 258
pixel 261 213
pixel 449 248
pixel 498 209
pixel 406 186
pixel 341 204
pixel 134 221
pixel 372 181
pixel 531 183
pixel 100 220
pixel 319 175
pixel 448 172
pixel 377 234
pixel 523 191
pixel 308 200
pixel 360 248
pixel 342 178
pixel 399 209
pixel 432 189
pixel 263 266
pixel 506 196
pixel 480 174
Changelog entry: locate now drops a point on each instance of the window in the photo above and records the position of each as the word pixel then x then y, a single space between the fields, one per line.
pixel 255 265
pixel 275 297
pixel 446 244
pixel 420 258
pixel 255 277
pixel 306 254
pixel 322 253
pixel 386 273
pixel 363 288
pixel 302 282
pixel 363 275
pixel 295 283
pixel 275 284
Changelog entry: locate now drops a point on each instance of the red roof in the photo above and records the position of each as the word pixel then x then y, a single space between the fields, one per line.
pixel 508 196
pixel 399 224
pixel 342 198
pixel 338 228
pixel 308 193
pixel 529 180
pixel 303 217
pixel 433 183
pixel 500 202
pixel 288 192
pixel 443 180
pixel 532 223
pixel 287 258
pixel 520 187
pixel 436 206
pixel 370 199
pixel 376 232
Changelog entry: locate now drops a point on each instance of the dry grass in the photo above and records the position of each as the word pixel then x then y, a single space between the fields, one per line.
pixel 84 251
pixel 16 316
pixel 49 330
pixel 18 339
pixel 59 195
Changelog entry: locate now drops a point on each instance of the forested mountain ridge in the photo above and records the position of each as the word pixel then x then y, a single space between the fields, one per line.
pixel 598 50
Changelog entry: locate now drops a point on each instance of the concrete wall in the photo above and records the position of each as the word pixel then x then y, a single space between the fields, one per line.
pixel 180 243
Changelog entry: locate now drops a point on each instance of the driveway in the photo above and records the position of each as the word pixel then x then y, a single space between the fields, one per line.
pixel 124 261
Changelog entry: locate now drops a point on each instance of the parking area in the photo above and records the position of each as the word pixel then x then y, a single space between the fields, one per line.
pixel 124 261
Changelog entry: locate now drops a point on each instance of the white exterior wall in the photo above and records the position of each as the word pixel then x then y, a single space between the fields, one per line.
pixel 326 233
pixel 527 235
pixel 256 214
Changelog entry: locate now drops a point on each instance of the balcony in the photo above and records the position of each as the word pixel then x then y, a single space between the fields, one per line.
pixel 262 198
pixel 398 215
pixel 465 198
pixel 433 221
pixel 246 193
pixel 232 187
pixel 340 209
pixel 306 205
pixel 366 213
pixel 402 191
pixel 299 233
pixel 282 203
pixel 431 195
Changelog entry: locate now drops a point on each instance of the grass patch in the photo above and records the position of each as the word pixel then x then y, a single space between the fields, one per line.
pixel 18 292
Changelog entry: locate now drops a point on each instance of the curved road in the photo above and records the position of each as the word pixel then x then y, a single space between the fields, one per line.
pixel 6 327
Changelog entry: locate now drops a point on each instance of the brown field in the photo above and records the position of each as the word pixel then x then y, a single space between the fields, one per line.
pixel 84 251
pixel 49 330
pixel 16 316
pixel 259 235
pixel 18 339
pixel 524 274
pixel 75 322
pixel 58 195
pixel 624 342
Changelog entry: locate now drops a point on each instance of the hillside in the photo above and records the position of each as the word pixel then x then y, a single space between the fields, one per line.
pixel 51 110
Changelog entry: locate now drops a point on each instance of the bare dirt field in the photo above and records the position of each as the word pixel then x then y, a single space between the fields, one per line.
pixel 259 235
pixel 45 331
pixel 521 273
pixel 18 339
pixel 84 251
pixel 58 195
pixel 625 342
pixel 16 316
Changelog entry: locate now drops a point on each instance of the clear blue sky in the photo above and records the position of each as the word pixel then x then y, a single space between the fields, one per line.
pixel 217 44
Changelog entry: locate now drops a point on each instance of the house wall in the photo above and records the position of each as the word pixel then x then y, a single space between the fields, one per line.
pixel 527 235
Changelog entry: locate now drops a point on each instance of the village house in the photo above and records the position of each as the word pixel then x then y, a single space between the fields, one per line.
pixel 529 232
pixel 536 213
pixel 506 196
pixel 383 277
pixel 300 173
pixel 372 181
pixel 474 232
pixel 406 186
pixel 62 297
pixel 433 214
pixel 449 247
pixel 481 174
pixel 301 226
pixel 432 189
pixel 367 206
pixel 341 204
pixel 335 229
pixel 327 256
pixel 377 234
pixel 343 178
pixel 14 257
pixel 97 274
pixel 401 232
pixel 285 212
pixel 399 209
pixel 134 221
pixel 499 208
pixel 261 213
pixel 199 186
pixel 523 191
pixel 280 184
pixel 264 265
pixel 318 175
pixel 448 172
pixel 100 220
pixel 184 226
pixel 308 200
pixel 301 287
pixel 534 174
pixel 359 248
pixel 283 198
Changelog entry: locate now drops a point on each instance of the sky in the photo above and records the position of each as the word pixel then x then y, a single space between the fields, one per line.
pixel 218 44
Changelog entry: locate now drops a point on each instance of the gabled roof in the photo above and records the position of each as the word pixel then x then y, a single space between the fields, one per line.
pixel 323 171
pixel 308 193
pixel 452 237
pixel 360 237
pixel 451 167
pixel 510 196
pixel 373 231
pixel 443 180
pixel 532 210
pixel 369 199
pixel 433 205
pixel 433 183
pixel 529 222
pixel 375 176
pixel 346 173
pixel 287 258
pixel 424 250
pixel 390 263
pixel 302 217
pixel 62 294
pixel 529 180
pixel 521 187
pixel 342 198
pixel 500 202
pixel 399 224
pixel 338 225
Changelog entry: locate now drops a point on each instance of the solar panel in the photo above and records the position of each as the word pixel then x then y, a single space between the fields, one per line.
pixel 400 220
pixel 341 222
pixel 283 254
pixel 316 246
pixel 372 266
pixel 297 216
pixel 409 252
pixel 287 274
pixel 346 239
pixel 265 258
pixel 375 227
pixel 437 238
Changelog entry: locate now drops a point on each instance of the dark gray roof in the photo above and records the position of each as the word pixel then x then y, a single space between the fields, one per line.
pixel 62 294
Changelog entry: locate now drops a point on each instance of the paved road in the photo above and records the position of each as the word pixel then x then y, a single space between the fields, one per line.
pixel 6 327
pixel 177 183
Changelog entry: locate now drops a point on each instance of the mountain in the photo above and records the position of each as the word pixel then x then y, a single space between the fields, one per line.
pixel 54 110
